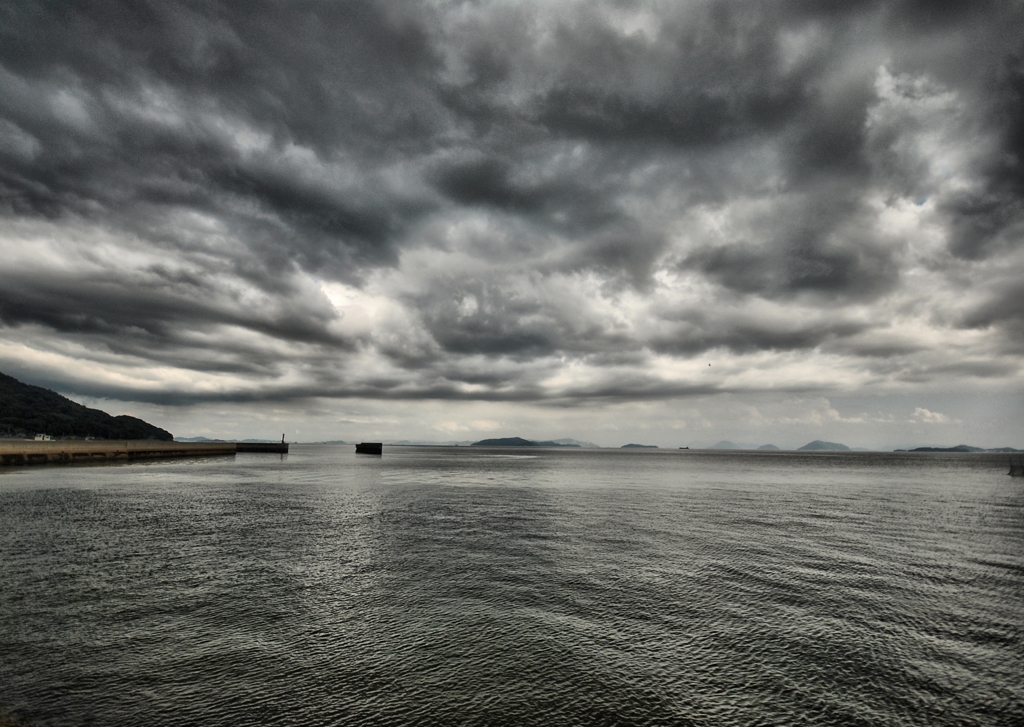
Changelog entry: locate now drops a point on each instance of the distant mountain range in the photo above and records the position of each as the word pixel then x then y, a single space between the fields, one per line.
pixel 565 441
pixel 816 445
pixel 242 441
pixel 27 410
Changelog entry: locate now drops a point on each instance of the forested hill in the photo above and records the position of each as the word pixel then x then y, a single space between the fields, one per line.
pixel 29 410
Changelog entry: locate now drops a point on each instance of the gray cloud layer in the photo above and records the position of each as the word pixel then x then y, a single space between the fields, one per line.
pixel 467 200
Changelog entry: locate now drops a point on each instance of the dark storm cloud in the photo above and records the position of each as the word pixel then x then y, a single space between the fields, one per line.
pixel 618 389
pixel 882 349
pixel 486 182
pixel 331 77
pixel 78 141
pixel 1004 311
pixel 800 265
pixel 561 198
pixel 991 217
pixel 699 119
pixel 625 252
pixel 627 388
pixel 986 218
pixel 256 145
pixel 702 332
pixel 163 316
pixel 499 322
pixel 288 65
pixel 380 389
pixel 828 139
pixel 976 368
pixel 719 80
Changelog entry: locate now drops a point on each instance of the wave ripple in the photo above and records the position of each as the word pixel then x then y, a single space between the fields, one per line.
pixel 439 586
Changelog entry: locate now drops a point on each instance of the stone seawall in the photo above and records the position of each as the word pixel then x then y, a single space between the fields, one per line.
pixel 78 451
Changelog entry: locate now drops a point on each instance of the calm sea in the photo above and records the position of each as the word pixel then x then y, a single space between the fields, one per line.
pixel 512 587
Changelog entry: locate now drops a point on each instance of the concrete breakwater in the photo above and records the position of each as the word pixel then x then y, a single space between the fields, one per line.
pixel 14 452
pixel 281 447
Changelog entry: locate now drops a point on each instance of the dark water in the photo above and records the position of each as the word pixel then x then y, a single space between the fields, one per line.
pixel 458 586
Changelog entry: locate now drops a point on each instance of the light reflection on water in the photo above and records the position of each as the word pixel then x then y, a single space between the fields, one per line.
pixel 434 585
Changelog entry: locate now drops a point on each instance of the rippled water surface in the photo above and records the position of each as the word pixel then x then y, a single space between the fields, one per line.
pixel 546 587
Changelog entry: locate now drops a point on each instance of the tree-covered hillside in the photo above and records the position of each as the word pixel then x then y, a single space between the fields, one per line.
pixel 30 410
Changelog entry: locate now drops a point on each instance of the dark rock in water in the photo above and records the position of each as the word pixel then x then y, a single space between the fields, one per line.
pixel 819 446
pixel 370 448
pixel 30 410
pixel 1016 467
pixel 639 446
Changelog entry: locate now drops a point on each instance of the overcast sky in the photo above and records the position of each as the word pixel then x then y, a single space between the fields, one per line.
pixel 660 222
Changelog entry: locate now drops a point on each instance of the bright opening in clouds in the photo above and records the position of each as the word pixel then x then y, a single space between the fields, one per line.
pixel 617 221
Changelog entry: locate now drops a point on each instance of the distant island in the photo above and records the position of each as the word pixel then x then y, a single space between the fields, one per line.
pixel 819 446
pixel 746 446
pixel 505 442
pixel 519 442
pixel 639 446
pixel 27 411
pixel 961 448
